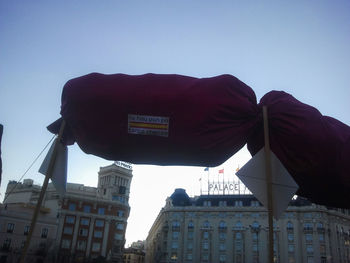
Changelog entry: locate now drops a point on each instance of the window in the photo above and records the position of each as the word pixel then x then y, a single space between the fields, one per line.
pixel 291 259
pixel 68 230
pixel 173 257
pixel 65 243
pixel 222 225
pixel 206 224
pixel 87 208
pixel 255 225
pixel 10 227
pixel 190 225
pixel 207 203
pixel 308 226
pixel 70 219
pixel 99 223
pixel 309 249
pixel 289 225
pixel 118 236
pixel 205 257
pixel 189 257
pixel 174 245
pixel 84 221
pixel 176 234
pixel 101 211
pixel 238 235
pixel 254 203
pixel 72 207
pixel 222 258
pixel 7 244
pixel 290 248
pixel 222 246
pixel 205 245
pixel 189 245
pixel 81 245
pixel 222 236
pixel 175 225
pixel 120 226
pixel 120 213
pixel 239 225
pixel 320 226
pixel 83 232
pixel 205 235
pixel 321 237
pixel 222 203
pixel 190 235
pixel 255 236
pixel 26 230
pixel 290 237
pixel 255 247
pixel 238 203
pixel 44 232
pixel 310 260
pixel 98 234
pixel 308 237
pixel 96 246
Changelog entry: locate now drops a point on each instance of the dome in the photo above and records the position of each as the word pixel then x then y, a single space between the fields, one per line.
pixel 180 198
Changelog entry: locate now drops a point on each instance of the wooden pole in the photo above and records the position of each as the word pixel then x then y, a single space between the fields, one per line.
pixel 268 183
pixel 43 190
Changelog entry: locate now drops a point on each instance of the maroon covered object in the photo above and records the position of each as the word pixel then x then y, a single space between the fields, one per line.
pixel 315 149
pixel 179 120
pixel 158 119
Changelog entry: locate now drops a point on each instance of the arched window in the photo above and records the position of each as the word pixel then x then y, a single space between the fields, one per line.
pixel 289 225
pixel 255 224
pixel 190 225
pixel 238 225
pixel 175 225
pixel 222 225
pixel 206 224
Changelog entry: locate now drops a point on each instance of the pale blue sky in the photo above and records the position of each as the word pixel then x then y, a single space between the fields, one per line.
pixel 301 47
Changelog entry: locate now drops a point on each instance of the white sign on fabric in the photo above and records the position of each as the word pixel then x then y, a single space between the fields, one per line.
pixel 253 175
pixel 59 175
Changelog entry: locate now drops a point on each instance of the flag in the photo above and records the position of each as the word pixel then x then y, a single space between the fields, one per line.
pixel 206 169
pixel 221 171
pixel 59 175
pixel 237 169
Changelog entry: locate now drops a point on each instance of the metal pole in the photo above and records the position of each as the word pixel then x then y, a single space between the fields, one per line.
pixel 268 183
pixel 42 193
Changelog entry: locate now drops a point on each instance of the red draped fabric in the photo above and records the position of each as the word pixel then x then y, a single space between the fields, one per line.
pixel 180 120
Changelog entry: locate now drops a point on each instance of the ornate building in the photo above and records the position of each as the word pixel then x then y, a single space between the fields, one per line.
pixel 86 223
pixel 234 228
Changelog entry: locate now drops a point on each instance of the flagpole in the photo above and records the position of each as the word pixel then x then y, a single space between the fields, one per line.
pixel 43 190
pixel 208 181
pixel 268 183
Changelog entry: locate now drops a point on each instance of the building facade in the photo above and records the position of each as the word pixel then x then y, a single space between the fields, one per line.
pixel 86 223
pixel 234 228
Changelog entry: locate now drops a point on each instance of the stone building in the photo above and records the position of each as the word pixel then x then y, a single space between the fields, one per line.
pixel 86 223
pixel 234 228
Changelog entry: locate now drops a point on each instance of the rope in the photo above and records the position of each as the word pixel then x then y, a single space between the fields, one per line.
pixel 30 166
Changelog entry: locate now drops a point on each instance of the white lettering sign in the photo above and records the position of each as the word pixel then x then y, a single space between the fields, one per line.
pixel 124 165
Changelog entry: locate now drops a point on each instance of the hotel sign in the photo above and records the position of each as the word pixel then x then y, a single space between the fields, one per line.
pixel 223 187
pixel 124 165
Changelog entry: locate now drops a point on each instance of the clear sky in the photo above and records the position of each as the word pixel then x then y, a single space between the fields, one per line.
pixel 301 47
